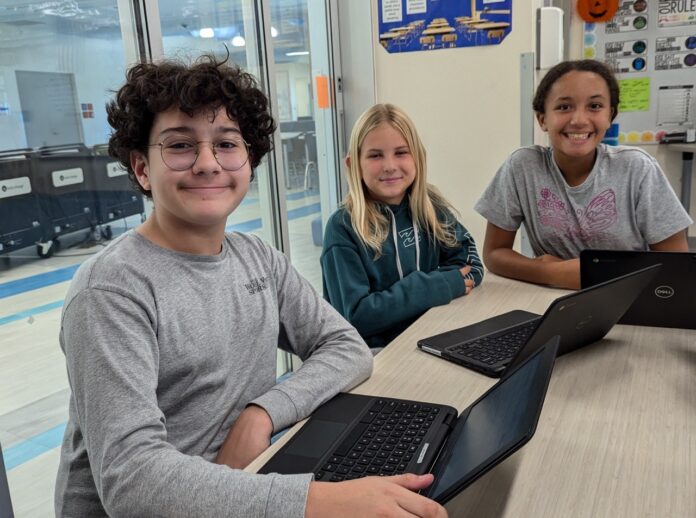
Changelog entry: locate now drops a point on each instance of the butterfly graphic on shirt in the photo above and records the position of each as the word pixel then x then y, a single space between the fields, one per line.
pixel 587 224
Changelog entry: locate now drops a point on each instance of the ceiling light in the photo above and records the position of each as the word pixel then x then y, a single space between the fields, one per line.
pixel 238 41
pixel 207 32
pixel 299 53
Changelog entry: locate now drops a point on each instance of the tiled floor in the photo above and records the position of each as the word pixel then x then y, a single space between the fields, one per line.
pixel 34 388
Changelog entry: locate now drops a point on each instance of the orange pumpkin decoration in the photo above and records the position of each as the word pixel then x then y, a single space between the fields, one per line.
pixel 593 11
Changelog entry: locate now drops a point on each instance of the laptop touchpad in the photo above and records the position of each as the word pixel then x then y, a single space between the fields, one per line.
pixel 315 438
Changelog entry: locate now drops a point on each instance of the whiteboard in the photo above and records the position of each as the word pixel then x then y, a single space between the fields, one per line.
pixel 49 108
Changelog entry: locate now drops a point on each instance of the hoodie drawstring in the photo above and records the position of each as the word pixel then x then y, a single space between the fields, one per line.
pixel 396 243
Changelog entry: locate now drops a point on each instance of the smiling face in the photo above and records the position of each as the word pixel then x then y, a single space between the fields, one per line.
pixel 387 166
pixel 202 196
pixel 593 11
pixel 577 114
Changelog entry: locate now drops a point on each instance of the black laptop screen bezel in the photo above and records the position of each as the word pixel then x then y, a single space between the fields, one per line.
pixel 540 386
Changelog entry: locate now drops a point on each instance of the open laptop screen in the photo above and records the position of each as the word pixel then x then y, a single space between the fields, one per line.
pixel 497 424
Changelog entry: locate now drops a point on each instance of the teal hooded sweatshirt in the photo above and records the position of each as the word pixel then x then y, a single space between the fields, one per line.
pixel 382 297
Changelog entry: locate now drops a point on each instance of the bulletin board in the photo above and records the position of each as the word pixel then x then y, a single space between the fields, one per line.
pixel 422 25
pixel 651 46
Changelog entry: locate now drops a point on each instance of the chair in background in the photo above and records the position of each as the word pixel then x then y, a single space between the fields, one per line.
pixel 498 34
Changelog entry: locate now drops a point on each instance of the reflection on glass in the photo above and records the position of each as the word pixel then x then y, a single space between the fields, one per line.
pixel 75 55
pixel 58 64
pixel 301 61
pixel 59 61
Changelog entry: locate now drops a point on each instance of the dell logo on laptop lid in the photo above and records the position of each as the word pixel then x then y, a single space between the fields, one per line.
pixel 664 292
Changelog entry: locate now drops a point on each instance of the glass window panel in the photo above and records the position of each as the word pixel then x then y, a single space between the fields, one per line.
pixel 59 61
pixel 306 113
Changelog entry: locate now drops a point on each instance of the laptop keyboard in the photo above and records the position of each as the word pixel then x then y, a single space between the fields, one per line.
pixel 496 348
pixel 382 443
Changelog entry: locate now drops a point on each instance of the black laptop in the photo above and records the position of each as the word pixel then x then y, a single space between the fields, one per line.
pixel 580 318
pixel 354 436
pixel 667 301
pixel 5 502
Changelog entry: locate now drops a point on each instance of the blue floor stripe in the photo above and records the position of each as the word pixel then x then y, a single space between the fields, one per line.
pixel 34 282
pixel 31 312
pixel 256 224
pixel 31 448
pixel 301 194
pixel 300 212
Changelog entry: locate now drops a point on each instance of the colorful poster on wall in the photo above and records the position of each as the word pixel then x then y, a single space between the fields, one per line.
pixel 415 25
pixel 651 46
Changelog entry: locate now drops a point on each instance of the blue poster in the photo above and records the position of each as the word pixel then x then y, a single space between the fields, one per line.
pixel 412 25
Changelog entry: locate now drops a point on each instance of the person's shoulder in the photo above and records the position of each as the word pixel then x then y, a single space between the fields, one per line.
pixel 340 218
pixel 339 233
pixel 527 155
pixel 251 253
pixel 338 227
pixel 106 269
pixel 244 239
pixel 530 152
pixel 249 244
pixel 111 259
pixel 629 159
pixel 625 153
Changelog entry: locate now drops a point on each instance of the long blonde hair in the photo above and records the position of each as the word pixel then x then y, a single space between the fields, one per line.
pixel 367 220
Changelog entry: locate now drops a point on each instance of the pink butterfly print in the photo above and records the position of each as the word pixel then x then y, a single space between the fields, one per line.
pixel 591 222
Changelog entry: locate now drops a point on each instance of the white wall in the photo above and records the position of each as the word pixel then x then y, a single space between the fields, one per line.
pixel 465 103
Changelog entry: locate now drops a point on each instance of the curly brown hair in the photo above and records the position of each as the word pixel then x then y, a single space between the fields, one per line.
pixel 581 65
pixel 207 84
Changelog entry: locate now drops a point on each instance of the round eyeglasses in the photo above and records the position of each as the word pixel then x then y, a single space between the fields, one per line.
pixel 180 152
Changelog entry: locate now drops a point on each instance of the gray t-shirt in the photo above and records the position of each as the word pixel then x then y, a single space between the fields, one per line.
pixel 626 203
pixel 164 350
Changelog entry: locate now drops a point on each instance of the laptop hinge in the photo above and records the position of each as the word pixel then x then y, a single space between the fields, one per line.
pixel 449 419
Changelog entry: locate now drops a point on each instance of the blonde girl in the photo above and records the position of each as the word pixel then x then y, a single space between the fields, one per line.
pixel 394 249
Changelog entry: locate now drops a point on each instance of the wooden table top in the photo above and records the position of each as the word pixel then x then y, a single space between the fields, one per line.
pixel 616 437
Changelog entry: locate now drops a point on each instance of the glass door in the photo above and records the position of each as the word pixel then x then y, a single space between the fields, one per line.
pixel 306 111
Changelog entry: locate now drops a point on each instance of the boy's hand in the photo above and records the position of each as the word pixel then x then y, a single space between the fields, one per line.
pixel 373 496
pixel 249 436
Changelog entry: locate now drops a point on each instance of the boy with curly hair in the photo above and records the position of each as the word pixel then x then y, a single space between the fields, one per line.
pixel 170 333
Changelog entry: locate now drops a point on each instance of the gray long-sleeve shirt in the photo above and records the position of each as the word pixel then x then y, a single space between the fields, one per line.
pixel 164 350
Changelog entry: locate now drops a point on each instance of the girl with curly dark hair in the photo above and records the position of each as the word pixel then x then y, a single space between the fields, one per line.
pixel 577 193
